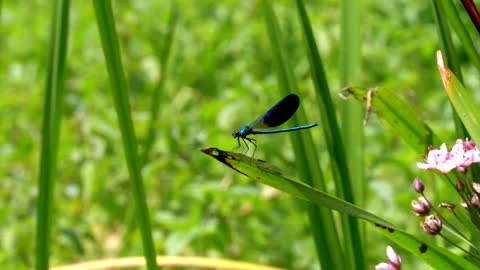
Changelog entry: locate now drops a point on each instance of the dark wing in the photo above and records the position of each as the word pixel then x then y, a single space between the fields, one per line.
pixel 278 114
pixel 282 111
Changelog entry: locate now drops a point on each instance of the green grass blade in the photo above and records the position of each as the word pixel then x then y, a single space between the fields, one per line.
pixel 53 106
pixel 451 56
pixel 351 232
pixel 111 50
pixel 322 223
pixel 398 114
pixel 270 175
pixel 454 19
pixel 351 112
pixel 443 12
pixel 445 35
pixel 162 56
pixel 462 99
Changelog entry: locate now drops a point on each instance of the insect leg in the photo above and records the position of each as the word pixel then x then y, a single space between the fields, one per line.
pixel 254 142
pixel 246 144
pixel 238 146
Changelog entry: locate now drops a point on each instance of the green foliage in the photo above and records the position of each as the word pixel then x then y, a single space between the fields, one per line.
pixel 218 77
pixel 263 172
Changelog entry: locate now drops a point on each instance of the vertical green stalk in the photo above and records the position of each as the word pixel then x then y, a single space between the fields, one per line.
pixel 111 50
pixel 53 105
pixel 353 252
pixel 352 112
pixel 163 56
pixel 322 223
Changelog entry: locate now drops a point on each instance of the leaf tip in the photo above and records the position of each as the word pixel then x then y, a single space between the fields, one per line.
pixel 443 69
pixel 211 151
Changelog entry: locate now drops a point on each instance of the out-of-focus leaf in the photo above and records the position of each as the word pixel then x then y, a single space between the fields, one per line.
pixel 163 56
pixel 398 114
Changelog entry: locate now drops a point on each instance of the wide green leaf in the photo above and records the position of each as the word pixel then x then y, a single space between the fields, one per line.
pixel 268 174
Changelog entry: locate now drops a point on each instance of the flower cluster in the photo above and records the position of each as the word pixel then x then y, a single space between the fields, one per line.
pixel 462 155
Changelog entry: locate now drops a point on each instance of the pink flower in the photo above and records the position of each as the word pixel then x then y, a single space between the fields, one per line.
pixel 384 266
pixel 438 159
pixel 462 155
pixel 469 145
pixel 394 261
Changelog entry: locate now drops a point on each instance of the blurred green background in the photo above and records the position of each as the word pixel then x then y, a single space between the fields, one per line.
pixel 219 78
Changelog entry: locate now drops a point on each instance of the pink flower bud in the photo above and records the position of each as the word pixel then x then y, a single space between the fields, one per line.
pixel 418 185
pixel 432 225
pixel 421 206
pixel 394 261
